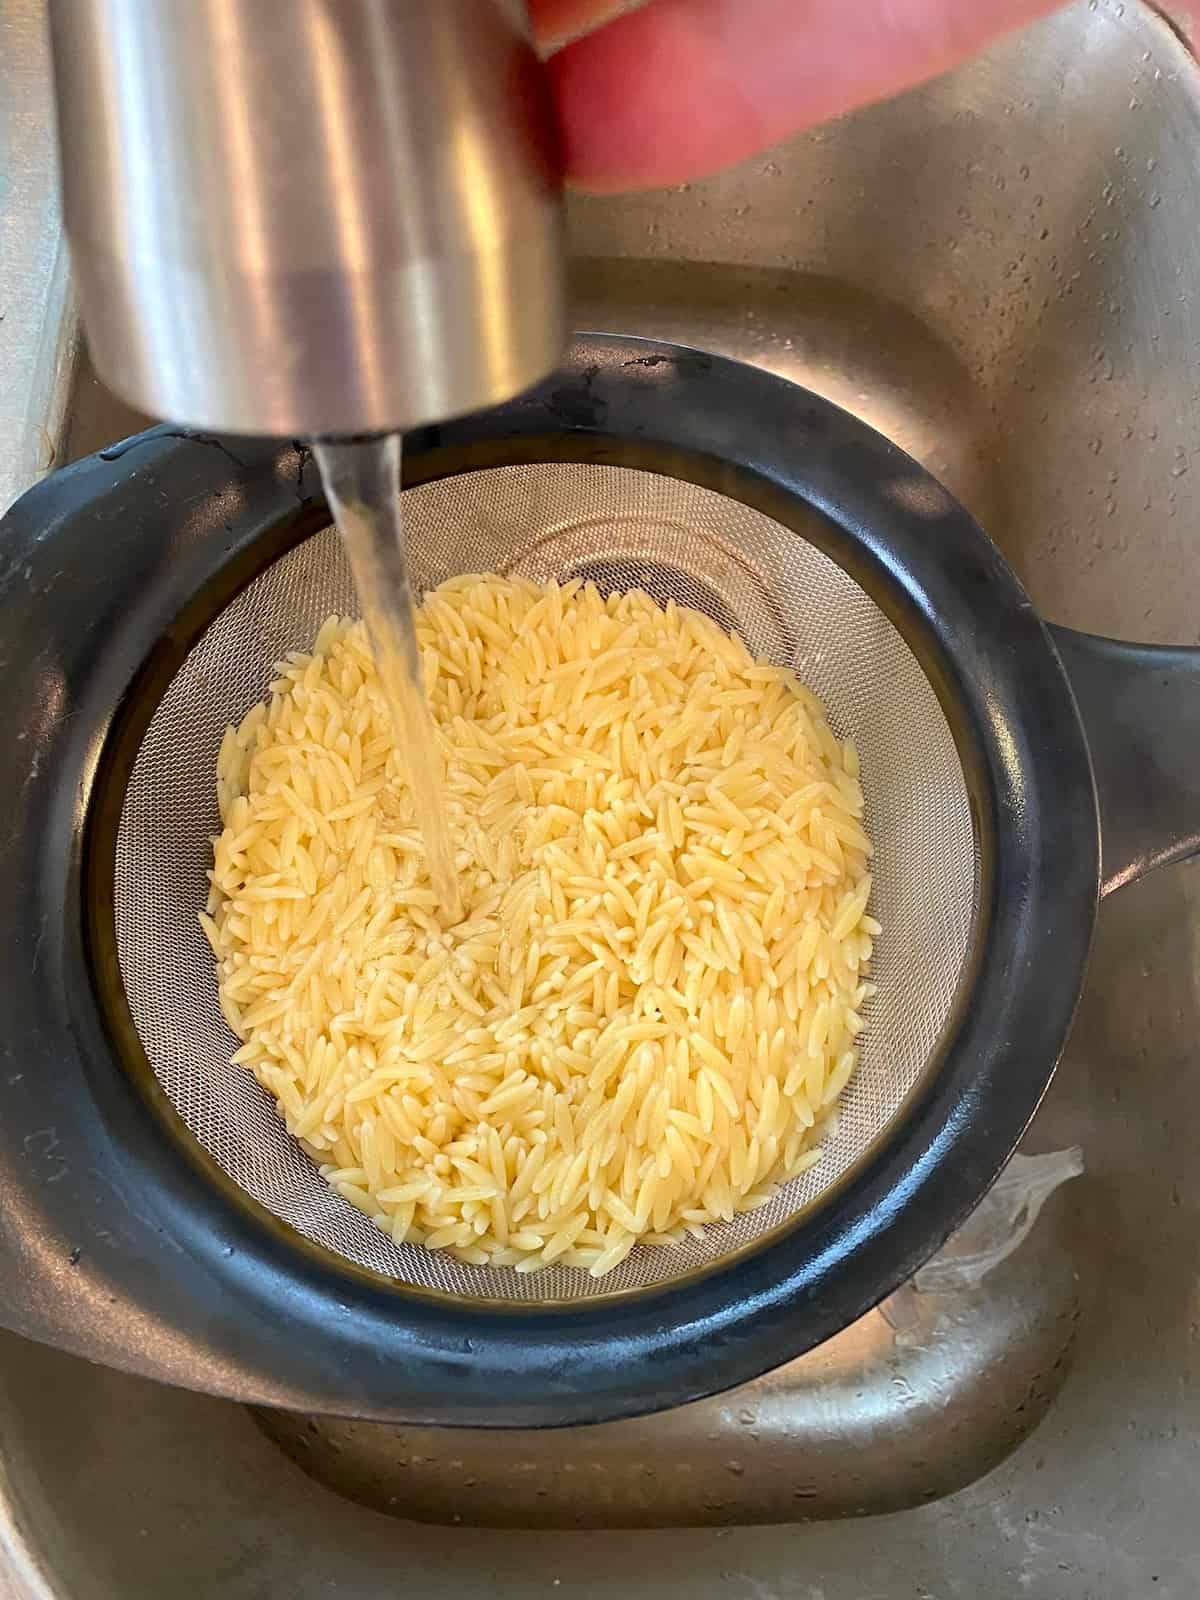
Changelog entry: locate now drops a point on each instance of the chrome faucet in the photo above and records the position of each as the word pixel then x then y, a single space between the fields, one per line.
pixel 300 217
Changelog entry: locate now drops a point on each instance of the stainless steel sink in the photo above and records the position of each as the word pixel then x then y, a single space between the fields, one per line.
pixel 999 272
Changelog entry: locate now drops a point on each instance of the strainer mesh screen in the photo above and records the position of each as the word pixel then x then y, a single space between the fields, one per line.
pixel 619 528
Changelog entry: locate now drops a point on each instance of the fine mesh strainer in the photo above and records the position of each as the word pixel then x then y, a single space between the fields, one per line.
pixel 195 563
pixel 619 528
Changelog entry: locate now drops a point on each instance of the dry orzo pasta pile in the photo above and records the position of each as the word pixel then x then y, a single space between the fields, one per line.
pixel 654 997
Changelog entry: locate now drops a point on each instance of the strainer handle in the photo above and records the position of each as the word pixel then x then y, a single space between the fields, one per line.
pixel 1140 705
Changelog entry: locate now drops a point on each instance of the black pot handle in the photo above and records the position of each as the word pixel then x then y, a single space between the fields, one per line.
pixel 1140 705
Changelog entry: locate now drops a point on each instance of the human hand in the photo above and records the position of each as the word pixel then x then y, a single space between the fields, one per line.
pixel 678 88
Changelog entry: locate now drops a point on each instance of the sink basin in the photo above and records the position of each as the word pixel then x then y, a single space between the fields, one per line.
pixel 997 271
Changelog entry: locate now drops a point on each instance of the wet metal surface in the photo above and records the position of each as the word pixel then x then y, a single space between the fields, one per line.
pixel 898 1410
pixel 36 329
pixel 1000 272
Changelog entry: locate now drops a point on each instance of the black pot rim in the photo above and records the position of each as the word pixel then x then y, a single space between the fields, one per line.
pixel 157 533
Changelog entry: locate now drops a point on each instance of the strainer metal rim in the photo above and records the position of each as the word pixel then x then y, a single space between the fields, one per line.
pixel 149 527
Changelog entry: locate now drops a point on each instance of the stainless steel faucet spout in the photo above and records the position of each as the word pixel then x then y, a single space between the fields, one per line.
pixel 310 216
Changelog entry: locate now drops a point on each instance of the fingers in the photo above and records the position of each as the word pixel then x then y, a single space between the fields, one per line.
pixel 681 87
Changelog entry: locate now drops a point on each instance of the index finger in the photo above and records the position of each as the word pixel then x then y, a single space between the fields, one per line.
pixel 681 87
